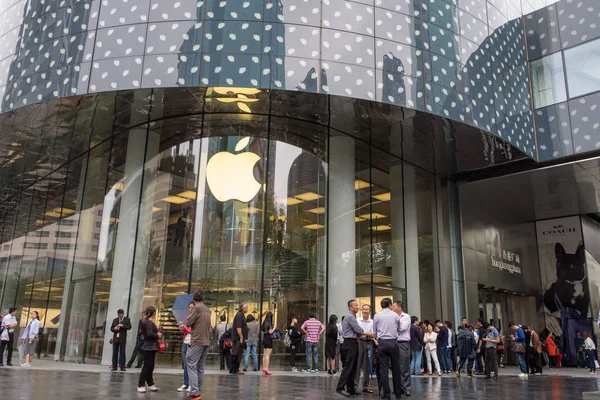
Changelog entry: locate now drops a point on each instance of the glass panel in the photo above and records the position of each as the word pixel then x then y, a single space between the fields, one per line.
pixel 548 80
pixel 229 219
pixel 294 271
pixel 164 243
pixel 582 63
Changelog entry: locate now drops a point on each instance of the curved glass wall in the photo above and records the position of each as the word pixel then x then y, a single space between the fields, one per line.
pixel 291 203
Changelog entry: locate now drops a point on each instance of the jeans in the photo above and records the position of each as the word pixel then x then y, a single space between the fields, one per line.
pixel 469 362
pixel 415 363
pixel 522 365
pixel 444 356
pixel 313 348
pixel 196 359
pixel 591 361
pixel 186 379
pixel 251 350
pixel 137 350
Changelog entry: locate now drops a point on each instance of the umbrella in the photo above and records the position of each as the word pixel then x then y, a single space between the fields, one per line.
pixel 180 307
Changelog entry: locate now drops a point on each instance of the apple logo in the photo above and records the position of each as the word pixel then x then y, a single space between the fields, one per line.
pixel 230 176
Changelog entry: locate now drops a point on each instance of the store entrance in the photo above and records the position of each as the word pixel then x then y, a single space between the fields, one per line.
pixel 500 308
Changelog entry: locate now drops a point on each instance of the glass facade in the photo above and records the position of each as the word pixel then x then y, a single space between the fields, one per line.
pixel 290 202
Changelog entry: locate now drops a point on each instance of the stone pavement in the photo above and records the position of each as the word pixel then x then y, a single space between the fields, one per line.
pixel 51 381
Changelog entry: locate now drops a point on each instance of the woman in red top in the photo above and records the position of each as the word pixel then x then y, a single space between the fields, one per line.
pixel 551 346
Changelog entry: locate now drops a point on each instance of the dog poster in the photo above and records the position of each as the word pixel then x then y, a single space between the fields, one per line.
pixel 565 286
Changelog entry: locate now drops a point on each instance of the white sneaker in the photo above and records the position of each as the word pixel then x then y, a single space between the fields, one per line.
pixel 183 388
pixel 141 390
pixel 521 375
pixel 26 365
pixel 153 388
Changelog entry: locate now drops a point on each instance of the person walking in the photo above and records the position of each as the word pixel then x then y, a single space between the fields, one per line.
pixel 312 328
pixel 252 343
pixel 295 341
pixel 491 341
pixel 220 330
pixel 139 341
pixel 442 347
pixel 29 338
pixel 519 348
pixel 9 323
pixel 351 332
pixel 365 349
pixel 199 322
pixel 187 339
pixel 466 349
pixel 404 346
pixel 239 335
pixel 590 352
pixel 416 346
pixel 149 350
pixel 331 335
pixel 385 329
pixel 268 327
pixel 119 327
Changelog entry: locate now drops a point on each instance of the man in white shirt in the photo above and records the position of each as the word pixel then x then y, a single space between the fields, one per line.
pixel 365 350
pixel 404 348
pixel 9 323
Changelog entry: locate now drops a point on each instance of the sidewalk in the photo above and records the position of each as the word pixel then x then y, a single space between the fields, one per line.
pixel 45 365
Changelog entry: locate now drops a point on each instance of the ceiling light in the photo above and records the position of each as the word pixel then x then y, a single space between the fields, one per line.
pixel 290 201
pixel 118 186
pixel 155 209
pixel 360 184
pixel 314 226
pixel 188 194
pixel 59 212
pixel 359 219
pixel 383 197
pixel 380 228
pixel 308 196
pixel 372 216
pixel 175 200
pixel 235 90
pixel 318 210
pixel 249 210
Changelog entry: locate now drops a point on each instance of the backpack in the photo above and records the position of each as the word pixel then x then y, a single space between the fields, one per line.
pixel 227 340
pixel 287 340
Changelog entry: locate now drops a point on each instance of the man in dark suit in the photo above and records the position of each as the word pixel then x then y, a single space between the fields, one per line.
pixel 119 327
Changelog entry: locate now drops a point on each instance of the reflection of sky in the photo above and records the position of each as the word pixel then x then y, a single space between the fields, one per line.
pixel 286 154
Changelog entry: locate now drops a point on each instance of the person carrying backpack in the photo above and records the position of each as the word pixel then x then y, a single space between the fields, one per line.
pixel 466 350
pixel 220 330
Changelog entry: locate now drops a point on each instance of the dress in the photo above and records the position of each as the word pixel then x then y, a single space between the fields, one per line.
pixel 267 340
pixel 331 341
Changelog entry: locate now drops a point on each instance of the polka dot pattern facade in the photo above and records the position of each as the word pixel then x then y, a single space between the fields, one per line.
pixel 461 59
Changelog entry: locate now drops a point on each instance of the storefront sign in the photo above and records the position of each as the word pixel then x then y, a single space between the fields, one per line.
pixel 502 258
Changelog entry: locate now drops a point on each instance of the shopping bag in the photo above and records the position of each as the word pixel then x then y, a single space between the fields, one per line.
pixel 596 362
pixel 21 354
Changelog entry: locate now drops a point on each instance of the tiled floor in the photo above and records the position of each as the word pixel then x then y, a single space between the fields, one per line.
pixel 26 384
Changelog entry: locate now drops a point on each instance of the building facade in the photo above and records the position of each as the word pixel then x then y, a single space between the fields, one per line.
pixel 291 154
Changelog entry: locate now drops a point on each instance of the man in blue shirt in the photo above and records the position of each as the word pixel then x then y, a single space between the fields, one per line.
pixel 519 337
pixel 385 327
pixel 491 341
pixel 351 331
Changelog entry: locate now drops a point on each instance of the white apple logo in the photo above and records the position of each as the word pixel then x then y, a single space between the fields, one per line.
pixel 230 176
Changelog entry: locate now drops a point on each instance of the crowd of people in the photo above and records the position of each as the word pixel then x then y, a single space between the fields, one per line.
pixel 359 345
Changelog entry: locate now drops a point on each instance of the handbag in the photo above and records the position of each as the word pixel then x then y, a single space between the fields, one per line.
pixel 161 346
pixel 518 347
pixel 276 335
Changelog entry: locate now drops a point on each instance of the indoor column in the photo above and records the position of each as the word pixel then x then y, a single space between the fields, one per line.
pixel 341 229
